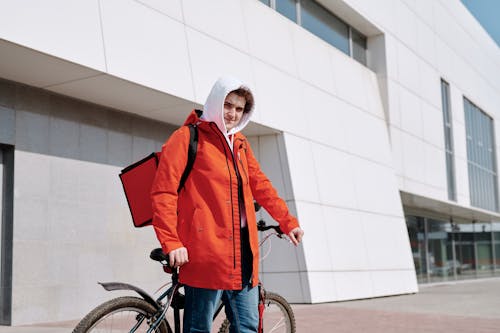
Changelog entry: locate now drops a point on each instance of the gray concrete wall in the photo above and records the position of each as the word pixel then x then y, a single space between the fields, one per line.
pixel 72 226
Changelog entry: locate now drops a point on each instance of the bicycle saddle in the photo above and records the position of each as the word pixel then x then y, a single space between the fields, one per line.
pixel 158 255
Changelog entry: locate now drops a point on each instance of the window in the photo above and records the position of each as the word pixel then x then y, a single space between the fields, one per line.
pixel 287 8
pixel 481 158
pixel 321 22
pixel 448 140
pixel 325 25
pixel 358 46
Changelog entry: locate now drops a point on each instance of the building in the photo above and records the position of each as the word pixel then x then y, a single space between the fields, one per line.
pixel 375 120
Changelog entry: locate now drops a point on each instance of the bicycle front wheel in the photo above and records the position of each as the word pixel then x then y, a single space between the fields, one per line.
pixel 277 318
pixel 122 314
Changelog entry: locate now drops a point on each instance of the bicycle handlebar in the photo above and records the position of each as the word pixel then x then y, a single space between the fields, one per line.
pixel 159 255
pixel 261 226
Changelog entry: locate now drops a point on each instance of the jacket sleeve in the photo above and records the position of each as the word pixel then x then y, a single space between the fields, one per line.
pixel 164 194
pixel 266 195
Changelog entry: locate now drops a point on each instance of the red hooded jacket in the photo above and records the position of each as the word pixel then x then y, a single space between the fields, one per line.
pixel 205 216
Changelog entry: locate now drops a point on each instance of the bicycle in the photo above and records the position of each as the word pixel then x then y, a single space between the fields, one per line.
pixel 134 314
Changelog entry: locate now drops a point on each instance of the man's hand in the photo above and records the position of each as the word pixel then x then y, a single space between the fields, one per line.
pixel 296 235
pixel 178 257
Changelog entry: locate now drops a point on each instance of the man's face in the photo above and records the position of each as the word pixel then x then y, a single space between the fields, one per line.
pixel 234 106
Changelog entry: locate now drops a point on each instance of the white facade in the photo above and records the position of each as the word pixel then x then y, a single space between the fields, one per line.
pixel 339 140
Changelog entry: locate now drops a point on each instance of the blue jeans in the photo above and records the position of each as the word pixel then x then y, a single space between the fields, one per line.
pixel 241 308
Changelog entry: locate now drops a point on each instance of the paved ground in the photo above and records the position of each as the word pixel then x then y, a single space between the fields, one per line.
pixel 467 306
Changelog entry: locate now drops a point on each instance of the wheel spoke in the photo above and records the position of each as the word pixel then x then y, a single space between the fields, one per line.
pixel 280 323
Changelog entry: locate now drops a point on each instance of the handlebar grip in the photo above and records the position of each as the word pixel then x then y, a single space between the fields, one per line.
pixel 261 226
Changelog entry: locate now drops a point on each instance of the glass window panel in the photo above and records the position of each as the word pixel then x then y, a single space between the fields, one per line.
pixel 287 8
pixel 448 138
pixel 358 46
pixel 325 25
pixel 267 2
pixel 440 265
pixel 481 155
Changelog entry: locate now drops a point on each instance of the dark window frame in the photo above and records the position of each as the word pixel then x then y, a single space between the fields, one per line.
pixel 6 241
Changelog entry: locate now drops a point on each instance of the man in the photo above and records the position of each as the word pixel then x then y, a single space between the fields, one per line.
pixel 209 228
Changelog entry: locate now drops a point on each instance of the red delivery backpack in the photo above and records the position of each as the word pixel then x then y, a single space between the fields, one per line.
pixel 137 180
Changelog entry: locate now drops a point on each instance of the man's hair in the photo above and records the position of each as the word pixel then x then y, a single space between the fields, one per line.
pixel 247 95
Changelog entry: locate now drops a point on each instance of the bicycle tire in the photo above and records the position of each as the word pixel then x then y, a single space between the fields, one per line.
pixel 287 316
pixel 99 316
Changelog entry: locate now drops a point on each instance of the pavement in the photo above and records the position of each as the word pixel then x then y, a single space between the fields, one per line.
pixel 462 306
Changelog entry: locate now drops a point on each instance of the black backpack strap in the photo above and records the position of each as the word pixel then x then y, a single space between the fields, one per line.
pixel 193 148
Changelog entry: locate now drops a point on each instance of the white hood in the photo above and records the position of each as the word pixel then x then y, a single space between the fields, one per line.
pixel 213 109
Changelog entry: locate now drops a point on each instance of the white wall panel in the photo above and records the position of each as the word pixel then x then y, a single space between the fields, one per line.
pixel 425 11
pixel 408 68
pixel 426 41
pixel 279 100
pixel 316 250
pixel 394 103
pixel 326 117
pixel 349 79
pixel 445 60
pixel 211 59
pixel 391 51
pixel 68 30
pixel 303 168
pixel 435 167
pixel 397 282
pixel 381 12
pixel 146 47
pixel 469 83
pixel 171 8
pixel 433 128
pixel 457 105
pixel 413 157
pixel 384 243
pixel 430 90
pixel 335 175
pixel 462 172
pixel 353 285
pixel 314 63
pixel 406 23
pixel 460 143
pixel 376 188
pixel 269 36
pixel 346 239
pixel 367 136
pixel 222 19
pixel 322 286
pixel 397 150
pixel 411 112
pixel 374 95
